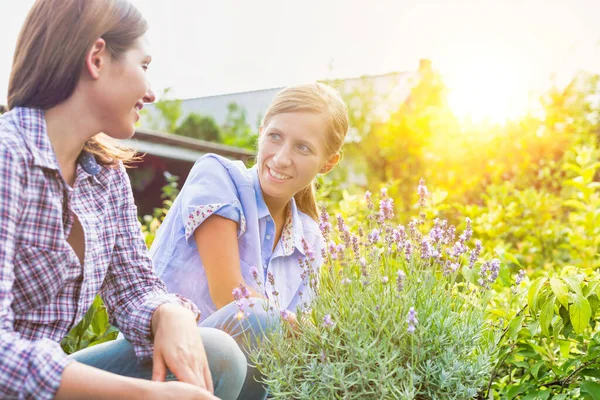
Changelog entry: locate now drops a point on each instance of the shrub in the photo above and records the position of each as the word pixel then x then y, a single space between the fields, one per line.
pixel 398 312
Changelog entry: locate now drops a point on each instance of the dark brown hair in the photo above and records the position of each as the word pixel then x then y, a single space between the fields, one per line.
pixel 51 50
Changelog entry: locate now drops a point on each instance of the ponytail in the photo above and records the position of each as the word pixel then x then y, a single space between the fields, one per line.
pixel 307 203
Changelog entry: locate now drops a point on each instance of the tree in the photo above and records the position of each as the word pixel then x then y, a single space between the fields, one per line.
pixel 236 130
pixel 169 113
pixel 200 127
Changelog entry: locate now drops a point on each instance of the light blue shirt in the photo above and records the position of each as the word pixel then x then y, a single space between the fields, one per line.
pixel 217 185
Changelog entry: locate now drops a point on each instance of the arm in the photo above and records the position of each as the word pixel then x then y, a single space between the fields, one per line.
pixel 217 242
pixel 80 381
pixel 157 323
pixel 131 291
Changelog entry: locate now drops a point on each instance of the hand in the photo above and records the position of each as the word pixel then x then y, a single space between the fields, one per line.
pixel 177 391
pixel 178 347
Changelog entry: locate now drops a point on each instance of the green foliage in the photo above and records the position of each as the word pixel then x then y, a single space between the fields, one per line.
pixel 169 113
pixel 199 127
pixel 236 130
pixel 93 329
pixel 370 288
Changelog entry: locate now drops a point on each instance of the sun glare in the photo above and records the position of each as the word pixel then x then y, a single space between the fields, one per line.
pixel 485 90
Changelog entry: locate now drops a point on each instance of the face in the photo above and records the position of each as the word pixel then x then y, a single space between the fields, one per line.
pixel 291 152
pixel 121 89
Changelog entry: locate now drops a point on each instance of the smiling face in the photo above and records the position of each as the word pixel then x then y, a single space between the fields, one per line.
pixel 292 150
pixel 122 89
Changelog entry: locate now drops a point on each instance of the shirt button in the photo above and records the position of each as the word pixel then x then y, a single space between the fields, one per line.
pixel 265 266
pixel 268 237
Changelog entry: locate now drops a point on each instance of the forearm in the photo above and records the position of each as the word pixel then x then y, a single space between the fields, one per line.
pixel 80 381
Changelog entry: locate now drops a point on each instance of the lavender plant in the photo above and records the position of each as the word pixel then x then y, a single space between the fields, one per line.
pixel 399 312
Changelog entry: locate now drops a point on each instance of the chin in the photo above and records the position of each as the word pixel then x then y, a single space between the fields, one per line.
pixel 120 133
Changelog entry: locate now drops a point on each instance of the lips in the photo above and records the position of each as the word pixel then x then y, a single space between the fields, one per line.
pixel 278 175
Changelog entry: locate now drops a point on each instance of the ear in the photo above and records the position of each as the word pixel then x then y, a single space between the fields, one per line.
pixel 331 162
pixel 95 58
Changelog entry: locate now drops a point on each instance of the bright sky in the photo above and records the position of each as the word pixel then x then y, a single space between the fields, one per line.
pixel 483 47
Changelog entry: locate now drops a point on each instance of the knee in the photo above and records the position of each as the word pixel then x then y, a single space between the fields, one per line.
pixel 227 362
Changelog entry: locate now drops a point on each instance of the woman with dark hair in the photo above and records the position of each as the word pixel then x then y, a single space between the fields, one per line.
pixel 68 223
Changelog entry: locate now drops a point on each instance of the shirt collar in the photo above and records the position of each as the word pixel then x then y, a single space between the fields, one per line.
pixel 296 230
pixel 32 125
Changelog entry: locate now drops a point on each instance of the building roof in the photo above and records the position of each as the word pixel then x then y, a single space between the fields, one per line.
pixel 181 148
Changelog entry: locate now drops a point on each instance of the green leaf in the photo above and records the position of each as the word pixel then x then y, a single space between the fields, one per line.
pixel 515 326
pixel 591 388
pixel 512 258
pixel 580 313
pixel 516 390
pixel 561 290
pixel 546 315
pixel 534 293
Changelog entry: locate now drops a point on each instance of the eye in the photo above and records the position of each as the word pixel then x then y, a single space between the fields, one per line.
pixel 145 66
pixel 304 148
pixel 275 137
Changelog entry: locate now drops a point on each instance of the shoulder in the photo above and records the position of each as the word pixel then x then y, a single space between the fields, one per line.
pixel 214 167
pixel 11 137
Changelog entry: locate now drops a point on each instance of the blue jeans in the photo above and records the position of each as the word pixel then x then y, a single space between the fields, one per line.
pixel 226 361
pixel 246 332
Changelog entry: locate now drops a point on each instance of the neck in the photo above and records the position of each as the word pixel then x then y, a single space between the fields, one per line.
pixel 276 206
pixel 70 125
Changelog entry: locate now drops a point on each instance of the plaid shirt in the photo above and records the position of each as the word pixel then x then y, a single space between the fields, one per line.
pixel 44 289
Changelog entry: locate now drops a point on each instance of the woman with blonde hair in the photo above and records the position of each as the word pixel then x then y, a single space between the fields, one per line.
pixel 69 229
pixel 233 225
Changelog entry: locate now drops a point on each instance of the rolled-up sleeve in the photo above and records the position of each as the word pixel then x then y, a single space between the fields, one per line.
pixel 131 290
pixel 28 368
pixel 209 190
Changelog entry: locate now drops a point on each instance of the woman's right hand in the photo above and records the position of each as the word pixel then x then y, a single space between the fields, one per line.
pixel 177 391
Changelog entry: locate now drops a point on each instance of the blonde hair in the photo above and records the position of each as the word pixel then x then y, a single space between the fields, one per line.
pixel 51 51
pixel 317 98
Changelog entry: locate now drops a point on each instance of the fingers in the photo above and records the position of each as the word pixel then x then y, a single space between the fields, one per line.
pixel 185 373
pixel 159 368
pixel 207 375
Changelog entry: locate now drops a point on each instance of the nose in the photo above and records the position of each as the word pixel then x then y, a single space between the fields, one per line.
pixel 282 157
pixel 149 97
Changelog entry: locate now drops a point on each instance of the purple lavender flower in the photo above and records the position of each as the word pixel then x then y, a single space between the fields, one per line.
pixel 325 225
pixel 475 254
pixel 385 279
pixel 422 191
pixel 437 232
pixel 237 294
pixel 355 246
pixel 245 291
pixel 489 273
pixel 400 276
pixel 271 278
pixel 453 267
pixel 327 321
pixel 458 249
pixel 408 251
pixel 426 249
pixel 285 314
pixel 310 254
pixel 374 236
pixel 386 208
pixel 368 199
pixel 412 320
pixel 254 273
pixel 520 277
